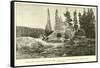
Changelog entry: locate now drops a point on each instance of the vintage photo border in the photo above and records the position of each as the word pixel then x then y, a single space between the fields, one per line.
pixel 12 42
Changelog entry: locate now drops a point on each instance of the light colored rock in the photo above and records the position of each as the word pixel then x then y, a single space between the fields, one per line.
pixel 26 41
pixel 30 42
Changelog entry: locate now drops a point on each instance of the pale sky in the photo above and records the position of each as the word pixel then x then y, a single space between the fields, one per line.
pixel 35 15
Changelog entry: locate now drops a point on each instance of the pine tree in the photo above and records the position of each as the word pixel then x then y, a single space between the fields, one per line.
pixel 48 28
pixel 58 21
pixel 87 20
pixel 79 15
pixel 75 17
pixel 90 29
pixel 68 17
pixel 75 20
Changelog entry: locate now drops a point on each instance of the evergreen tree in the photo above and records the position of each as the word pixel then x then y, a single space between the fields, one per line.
pixel 75 20
pixel 87 23
pixel 83 21
pixel 90 29
pixel 48 28
pixel 75 17
pixel 58 21
pixel 79 15
pixel 68 17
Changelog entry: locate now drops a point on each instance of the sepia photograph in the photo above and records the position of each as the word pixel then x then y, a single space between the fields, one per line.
pixel 54 30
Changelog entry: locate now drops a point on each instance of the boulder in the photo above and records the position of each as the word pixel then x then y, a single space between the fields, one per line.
pixel 26 42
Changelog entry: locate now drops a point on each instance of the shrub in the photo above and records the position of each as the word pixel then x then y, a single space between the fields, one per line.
pixel 59 35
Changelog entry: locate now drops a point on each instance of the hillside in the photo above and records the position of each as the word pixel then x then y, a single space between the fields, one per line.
pixel 26 31
pixel 29 45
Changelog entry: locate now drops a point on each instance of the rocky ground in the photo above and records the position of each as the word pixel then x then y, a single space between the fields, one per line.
pixel 28 47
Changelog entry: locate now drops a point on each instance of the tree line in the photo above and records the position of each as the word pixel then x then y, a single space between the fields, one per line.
pixel 86 20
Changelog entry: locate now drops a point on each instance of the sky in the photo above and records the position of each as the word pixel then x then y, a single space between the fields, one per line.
pixel 35 15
